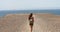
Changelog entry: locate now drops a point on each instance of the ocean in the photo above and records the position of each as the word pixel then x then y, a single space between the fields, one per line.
pixel 4 12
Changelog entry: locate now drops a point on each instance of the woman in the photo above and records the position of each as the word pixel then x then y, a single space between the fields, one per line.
pixel 31 21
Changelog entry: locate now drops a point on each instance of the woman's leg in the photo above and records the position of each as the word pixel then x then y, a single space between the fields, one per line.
pixel 31 27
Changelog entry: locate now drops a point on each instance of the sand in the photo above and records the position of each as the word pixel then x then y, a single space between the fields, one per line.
pixel 20 23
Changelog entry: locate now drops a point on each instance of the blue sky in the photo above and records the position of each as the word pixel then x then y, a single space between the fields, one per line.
pixel 29 4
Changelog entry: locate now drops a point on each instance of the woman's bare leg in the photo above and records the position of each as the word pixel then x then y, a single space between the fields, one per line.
pixel 31 27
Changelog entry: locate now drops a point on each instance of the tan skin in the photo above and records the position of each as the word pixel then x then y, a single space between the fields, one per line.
pixel 32 21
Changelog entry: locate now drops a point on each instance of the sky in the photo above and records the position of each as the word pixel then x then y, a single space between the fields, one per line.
pixel 29 4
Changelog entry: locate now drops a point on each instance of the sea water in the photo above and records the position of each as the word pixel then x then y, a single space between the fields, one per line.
pixel 4 12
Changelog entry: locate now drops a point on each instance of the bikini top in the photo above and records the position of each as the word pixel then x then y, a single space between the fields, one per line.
pixel 31 19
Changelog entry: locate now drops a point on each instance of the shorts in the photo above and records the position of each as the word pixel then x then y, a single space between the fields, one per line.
pixel 31 23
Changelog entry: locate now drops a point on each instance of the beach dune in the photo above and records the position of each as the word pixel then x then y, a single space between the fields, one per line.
pixel 20 23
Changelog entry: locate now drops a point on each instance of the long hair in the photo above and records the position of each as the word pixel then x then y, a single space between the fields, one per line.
pixel 30 16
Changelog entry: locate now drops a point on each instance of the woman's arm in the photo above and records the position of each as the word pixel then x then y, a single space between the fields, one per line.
pixel 33 19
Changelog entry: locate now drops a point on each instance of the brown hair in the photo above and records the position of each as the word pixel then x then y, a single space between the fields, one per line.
pixel 30 16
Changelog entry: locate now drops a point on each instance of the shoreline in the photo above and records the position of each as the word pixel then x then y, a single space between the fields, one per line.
pixel 28 14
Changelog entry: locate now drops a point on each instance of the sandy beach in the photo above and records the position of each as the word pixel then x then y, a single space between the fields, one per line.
pixel 20 23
